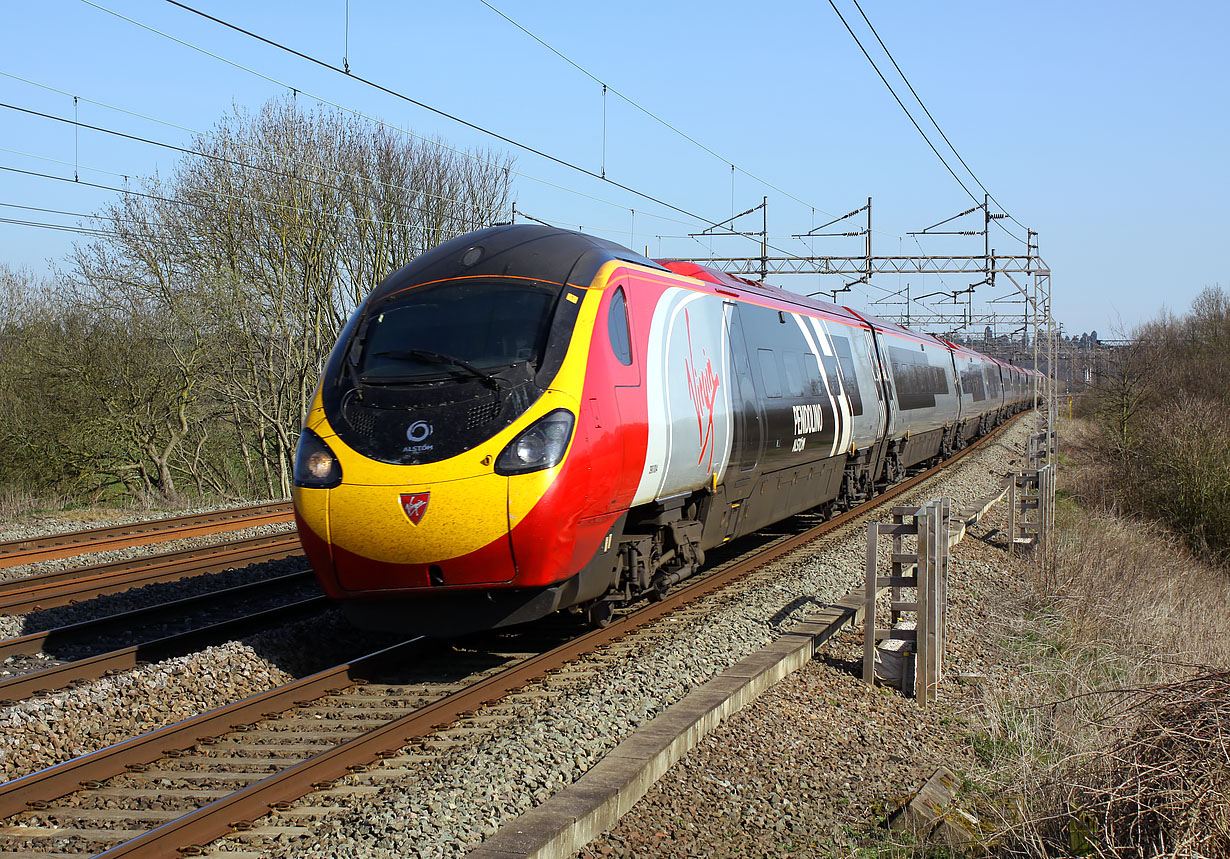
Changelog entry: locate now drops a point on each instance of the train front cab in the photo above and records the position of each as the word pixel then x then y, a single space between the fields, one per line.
pixel 457 498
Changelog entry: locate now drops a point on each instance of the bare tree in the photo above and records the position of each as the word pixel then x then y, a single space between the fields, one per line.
pixel 1163 412
pixel 1126 389
pixel 254 253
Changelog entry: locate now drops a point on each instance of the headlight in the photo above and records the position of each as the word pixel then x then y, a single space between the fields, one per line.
pixel 539 446
pixel 315 465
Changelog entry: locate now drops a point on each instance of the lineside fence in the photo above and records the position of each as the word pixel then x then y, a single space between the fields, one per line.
pixel 924 570
pixel 1031 509
pixel 909 652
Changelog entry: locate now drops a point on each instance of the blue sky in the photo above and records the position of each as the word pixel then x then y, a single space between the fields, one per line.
pixel 1102 126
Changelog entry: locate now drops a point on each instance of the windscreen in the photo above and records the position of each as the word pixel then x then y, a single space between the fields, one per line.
pixel 436 330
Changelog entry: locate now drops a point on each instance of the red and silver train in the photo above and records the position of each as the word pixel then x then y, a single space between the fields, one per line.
pixel 527 419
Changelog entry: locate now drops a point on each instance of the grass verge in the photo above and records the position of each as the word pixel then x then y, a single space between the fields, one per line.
pixel 1112 737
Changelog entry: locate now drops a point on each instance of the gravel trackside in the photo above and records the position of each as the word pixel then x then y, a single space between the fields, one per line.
pixel 813 767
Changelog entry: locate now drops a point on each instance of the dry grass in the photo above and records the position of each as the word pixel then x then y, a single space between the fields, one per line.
pixel 17 505
pixel 1164 790
pixel 1109 737
pixel 1085 475
pixel 24 506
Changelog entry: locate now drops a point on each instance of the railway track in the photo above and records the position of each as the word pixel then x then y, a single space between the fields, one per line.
pixel 264 604
pixel 64 587
pixel 27 551
pixel 100 628
pixel 165 792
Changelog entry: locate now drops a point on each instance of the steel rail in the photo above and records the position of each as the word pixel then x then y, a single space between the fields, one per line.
pixel 239 809
pixel 29 550
pixel 34 642
pixel 99 569
pixel 70 586
pixel 93 667
pixel 66 777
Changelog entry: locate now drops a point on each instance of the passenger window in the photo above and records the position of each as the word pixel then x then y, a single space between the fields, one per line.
pixel 768 373
pixel 831 371
pixel 795 372
pixel 841 345
pixel 617 327
pixel 815 384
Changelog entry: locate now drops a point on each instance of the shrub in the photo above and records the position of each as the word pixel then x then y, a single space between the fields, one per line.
pixel 1162 412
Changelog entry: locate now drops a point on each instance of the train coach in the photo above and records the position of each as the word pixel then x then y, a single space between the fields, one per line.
pixel 525 420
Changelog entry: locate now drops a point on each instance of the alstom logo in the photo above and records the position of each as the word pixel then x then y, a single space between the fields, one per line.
pixel 808 418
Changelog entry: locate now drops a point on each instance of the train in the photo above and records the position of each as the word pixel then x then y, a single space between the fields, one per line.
pixel 527 420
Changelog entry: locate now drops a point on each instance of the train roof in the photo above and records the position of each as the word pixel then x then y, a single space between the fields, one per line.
pixel 556 255
pixel 542 253
pixel 962 349
pixel 755 288
pixel 763 290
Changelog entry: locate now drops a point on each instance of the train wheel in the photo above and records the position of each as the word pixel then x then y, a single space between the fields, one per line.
pixel 599 614
pixel 893 469
pixel 657 592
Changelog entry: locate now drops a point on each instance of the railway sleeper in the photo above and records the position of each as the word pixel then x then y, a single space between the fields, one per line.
pixel 27 833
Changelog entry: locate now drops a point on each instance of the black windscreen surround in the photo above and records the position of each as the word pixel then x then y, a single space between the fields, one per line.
pixel 917 381
pixel 484 323
pixel 430 371
pixel 457 344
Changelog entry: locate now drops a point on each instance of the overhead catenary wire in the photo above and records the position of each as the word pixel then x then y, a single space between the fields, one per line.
pixel 889 54
pixel 73 228
pixel 438 143
pixel 241 143
pixel 399 95
pixel 563 162
pixel 221 159
pixel 201 204
pixel 667 124
pixel 62 163
pixel 67 228
pixel 394 93
pixel 267 170
pixel 76 165
pixel 303 163
pixel 900 103
pixel 57 211
pixel 624 207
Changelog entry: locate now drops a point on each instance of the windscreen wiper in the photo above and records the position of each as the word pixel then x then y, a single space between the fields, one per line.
pixel 426 356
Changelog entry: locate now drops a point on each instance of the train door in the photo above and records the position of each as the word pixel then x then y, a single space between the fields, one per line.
pixel 962 408
pixel 748 442
pixel 629 424
pixel 883 404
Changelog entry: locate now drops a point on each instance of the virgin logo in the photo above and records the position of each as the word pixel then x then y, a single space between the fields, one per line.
pixel 703 384
pixel 415 505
